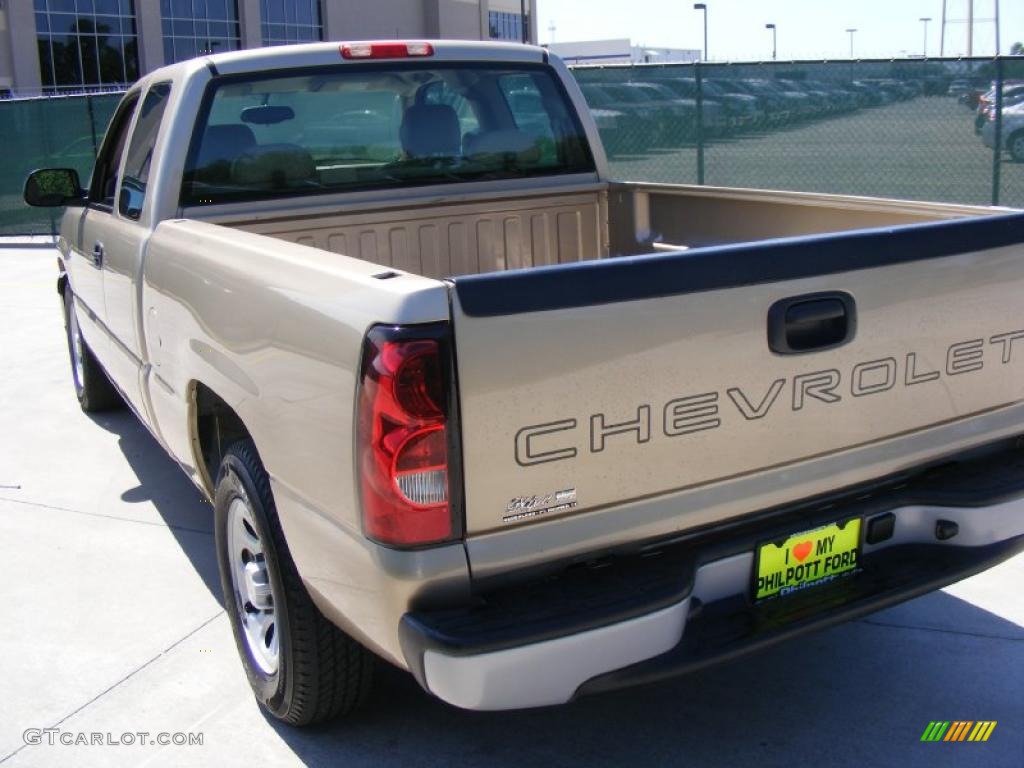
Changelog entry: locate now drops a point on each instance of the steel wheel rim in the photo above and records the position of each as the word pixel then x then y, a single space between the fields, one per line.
pixel 255 600
pixel 77 350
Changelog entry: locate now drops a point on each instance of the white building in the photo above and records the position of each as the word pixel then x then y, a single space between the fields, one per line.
pixel 619 51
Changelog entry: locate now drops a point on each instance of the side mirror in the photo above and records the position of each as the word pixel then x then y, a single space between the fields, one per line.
pixel 133 195
pixel 53 187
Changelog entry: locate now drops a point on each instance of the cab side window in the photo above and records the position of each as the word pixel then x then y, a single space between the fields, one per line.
pixel 104 178
pixel 140 151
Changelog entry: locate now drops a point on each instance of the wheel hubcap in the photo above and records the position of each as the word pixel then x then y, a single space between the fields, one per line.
pixel 254 592
pixel 77 352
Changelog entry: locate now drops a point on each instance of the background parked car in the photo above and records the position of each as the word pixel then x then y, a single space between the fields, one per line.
pixel 958 87
pixel 970 97
pixel 1013 132
pixel 1013 93
pixel 765 109
pixel 644 129
pixel 738 111
pixel 715 122
pixel 781 108
pixel 680 115
pixel 870 95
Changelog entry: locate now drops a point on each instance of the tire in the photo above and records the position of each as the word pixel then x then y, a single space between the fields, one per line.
pixel 1016 146
pixel 302 669
pixel 92 387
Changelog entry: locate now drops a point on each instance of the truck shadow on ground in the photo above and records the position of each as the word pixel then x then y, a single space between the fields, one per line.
pixel 859 695
pixel 856 695
pixel 187 513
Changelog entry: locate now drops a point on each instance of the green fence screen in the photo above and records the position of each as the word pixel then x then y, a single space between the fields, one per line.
pixel 60 131
pixel 906 128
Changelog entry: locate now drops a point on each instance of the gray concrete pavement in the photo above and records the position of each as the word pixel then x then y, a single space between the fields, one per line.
pixel 112 623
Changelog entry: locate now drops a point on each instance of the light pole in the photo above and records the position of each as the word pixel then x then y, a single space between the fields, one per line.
pixel 851 31
pixel 704 8
pixel 775 40
pixel 524 21
pixel 924 48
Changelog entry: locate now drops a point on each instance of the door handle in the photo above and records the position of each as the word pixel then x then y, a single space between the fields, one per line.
pixel 812 323
pixel 97 254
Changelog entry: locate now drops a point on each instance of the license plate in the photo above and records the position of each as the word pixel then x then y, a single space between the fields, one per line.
pixel 807 559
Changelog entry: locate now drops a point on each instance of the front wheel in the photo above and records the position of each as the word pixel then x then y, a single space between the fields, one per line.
pixel 301 668
pixel 92 387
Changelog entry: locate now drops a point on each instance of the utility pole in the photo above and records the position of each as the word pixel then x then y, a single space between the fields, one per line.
pixel 970 28
pixel 551 31
pixel 997 26
pixel 703 7
pixel 924 47
pixel 775 40
pixel 942 34
pixel 851 31
pixel 524 21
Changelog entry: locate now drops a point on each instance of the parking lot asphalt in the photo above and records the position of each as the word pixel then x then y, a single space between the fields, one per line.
pixel 113 624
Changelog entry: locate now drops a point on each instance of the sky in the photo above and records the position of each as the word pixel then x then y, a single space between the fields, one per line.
pixel 807 29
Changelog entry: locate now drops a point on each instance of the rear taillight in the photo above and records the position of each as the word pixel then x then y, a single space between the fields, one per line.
pixel 404 439
pixel 386 50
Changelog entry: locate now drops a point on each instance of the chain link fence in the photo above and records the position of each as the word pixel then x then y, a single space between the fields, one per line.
pixel 54 132
pixel 908 128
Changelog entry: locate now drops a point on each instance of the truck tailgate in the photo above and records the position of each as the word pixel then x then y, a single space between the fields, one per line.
pixel 590 385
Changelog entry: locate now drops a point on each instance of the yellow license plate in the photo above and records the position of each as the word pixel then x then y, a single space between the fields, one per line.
pixel 807 559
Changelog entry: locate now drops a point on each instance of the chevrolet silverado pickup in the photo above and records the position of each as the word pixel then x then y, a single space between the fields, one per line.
pixel 465 403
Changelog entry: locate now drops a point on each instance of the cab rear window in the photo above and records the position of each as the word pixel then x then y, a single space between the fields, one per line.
pixel 372 127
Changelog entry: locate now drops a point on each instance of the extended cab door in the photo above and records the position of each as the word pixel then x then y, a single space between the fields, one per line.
pixel 125 240
pixel 85 261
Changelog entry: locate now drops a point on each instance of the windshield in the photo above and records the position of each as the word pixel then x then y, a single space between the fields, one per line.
pixel 372 127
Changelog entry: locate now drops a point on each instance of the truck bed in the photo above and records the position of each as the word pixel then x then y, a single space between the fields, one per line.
pixel 464 234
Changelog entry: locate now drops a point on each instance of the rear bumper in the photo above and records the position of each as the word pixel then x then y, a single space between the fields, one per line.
pixel 675 607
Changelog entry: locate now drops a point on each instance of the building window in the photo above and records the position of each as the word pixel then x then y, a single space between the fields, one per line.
pixel 198 28
pixel 506 26
pixel 86 43
pixel 291 21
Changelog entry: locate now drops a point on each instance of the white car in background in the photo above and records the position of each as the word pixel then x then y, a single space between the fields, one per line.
pixel 1012 134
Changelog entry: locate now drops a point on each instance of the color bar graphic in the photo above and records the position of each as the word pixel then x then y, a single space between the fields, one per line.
pixel 958 730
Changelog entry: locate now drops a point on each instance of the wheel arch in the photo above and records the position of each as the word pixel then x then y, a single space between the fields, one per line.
pixel 213 426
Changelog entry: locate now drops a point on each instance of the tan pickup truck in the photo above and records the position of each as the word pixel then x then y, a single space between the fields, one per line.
pixel 465 403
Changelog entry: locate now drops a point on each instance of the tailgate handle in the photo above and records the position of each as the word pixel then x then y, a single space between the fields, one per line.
pixel 811 323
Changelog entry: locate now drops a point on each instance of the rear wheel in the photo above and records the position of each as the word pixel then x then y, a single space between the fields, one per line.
pixel 301 667
pixel 92 387
pixel 1016 146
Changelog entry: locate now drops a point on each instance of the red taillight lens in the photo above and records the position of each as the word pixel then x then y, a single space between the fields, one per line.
pixel 403 439
pixel 386 50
